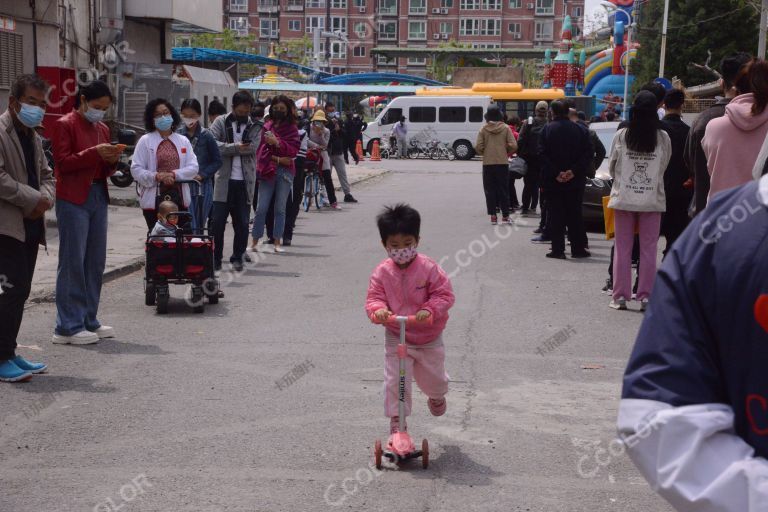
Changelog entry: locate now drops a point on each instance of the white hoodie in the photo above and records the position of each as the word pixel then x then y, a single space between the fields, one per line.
pixel 638 178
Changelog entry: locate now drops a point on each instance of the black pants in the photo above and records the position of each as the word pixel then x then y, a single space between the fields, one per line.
pixel 294 201
pixel 564 207
pixel 236 207
pixel 17 266
pixel 546 218
pixel 496 187
pixel 530 189
pixel 350 148
pixel 329 187
pixel 675 220
pixel 513 202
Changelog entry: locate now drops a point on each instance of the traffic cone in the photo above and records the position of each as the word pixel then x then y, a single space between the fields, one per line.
pixel 359 150
pixel 375 155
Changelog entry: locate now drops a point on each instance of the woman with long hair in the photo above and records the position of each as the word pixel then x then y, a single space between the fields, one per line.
pixel 275 167
pixel 161 158
pixel 639 156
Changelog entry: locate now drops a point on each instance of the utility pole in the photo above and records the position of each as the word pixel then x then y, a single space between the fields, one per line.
pixel 664 37
pixel 328 29
pixel 763 23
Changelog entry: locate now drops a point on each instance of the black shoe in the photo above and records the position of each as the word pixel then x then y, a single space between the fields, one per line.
pixel 608 285
pixel 286 242
pixel 217 266
pixel 581 254
pixel 349 199
pixel 556 255
pixel 541 239
pixel 247 258
pixel 538 231
pixel 270 241
pixel 237 266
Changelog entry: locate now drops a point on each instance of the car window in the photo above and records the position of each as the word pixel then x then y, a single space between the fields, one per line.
pixel 392 116
pixel 453 114
pixel 475 114
pixel 422 115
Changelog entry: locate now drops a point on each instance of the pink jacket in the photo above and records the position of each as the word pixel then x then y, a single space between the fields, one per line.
pixel 422 285
pixel 732 143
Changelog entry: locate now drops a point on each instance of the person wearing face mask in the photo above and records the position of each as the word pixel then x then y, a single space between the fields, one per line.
pixel 235 183
pixel 84 160
pixel 162 158
pixel 208 158
pixel 319 138
pixel 409 283
pixel 26 193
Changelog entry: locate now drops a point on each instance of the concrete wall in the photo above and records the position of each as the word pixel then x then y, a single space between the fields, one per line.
pixel 465 77
pixel 145 41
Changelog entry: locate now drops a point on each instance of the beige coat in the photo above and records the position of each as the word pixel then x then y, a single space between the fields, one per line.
pixel 17 199
pixel 494 141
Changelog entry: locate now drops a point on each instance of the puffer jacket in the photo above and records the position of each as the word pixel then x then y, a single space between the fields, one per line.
pixel 494 142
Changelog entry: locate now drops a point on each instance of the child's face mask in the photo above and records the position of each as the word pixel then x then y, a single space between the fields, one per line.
pixel 171 219
pixel 402 249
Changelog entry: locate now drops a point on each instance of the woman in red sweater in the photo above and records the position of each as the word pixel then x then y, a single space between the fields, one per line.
pixel 84 159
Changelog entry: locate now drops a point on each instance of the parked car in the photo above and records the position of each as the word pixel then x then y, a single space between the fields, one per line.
pixel 455 120
pixel 599 186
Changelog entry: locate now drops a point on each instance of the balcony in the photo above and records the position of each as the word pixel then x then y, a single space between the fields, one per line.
pixel 238 6
pixel 545 8
pixel 269 6
pixel 295 5
pixel 205 17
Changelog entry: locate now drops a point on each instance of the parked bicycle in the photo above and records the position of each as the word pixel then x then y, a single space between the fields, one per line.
pixel 440 150
pixel 312 181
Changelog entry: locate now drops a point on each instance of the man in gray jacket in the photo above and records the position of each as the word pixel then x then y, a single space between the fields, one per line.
pixel 238 139
pixel 26 192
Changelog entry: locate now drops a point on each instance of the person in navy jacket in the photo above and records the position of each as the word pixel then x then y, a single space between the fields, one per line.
pixel 694 408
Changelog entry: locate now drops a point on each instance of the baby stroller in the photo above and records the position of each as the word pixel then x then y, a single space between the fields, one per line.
pixel 185 258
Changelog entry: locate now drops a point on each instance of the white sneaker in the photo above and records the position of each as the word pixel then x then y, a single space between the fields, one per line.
pixel 279 249
pixel 105 331
pixel 81 338
pixel 643 304
pixel 620 304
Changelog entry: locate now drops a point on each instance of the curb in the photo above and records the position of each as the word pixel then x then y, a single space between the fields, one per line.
pixel 367 178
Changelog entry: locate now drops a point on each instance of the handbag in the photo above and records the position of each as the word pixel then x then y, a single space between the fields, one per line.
pixel 517 167
pixel 169 193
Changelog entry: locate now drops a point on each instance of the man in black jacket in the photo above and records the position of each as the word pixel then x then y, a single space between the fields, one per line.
pixel 678 191
pixel 694 154
pixel 565 154
pixel 353 131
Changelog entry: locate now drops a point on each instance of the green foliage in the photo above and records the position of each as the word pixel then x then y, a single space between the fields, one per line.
pixel 296 50
pixel 695 26
pixel 226 40
pixel 441 68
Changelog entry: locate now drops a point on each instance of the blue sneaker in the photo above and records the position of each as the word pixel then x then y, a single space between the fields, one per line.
pixel 9 372
pixel 29 366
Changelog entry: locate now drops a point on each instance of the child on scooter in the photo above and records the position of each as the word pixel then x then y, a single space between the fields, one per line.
pixel 408 283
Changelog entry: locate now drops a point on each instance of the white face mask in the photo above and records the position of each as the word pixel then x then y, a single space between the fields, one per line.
pixel 189 122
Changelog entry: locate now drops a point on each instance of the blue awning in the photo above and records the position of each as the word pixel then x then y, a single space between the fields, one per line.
pixel 363 78
pixel 330 88
pixel 214 55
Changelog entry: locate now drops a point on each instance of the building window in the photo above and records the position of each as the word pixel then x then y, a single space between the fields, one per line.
pixel 480 27
pixel 359 51
pixel 417 7
pixel 486 46
pixel 545 6
pixel 485 5
pixel 387 6
pixel 316 3
pixel 238 5
pixel 383 60
pixel 339 24
pixel 269 27
pixel 183 41
pixel 417 61
pixel 515 4
pixel 422 114
pixel 417 30
pixel 514 28
pixel 446 4
pixel 338 4
pixel 453 114
pixel 239 24
pixel 361 29
pixel 577 12
pixel 338 50
pixel 294 25
pixel 295 5
pixel 544 30
pixel 314 22
pixel 338 71
pixel 446 27
pixel 359 3
pixel 388 30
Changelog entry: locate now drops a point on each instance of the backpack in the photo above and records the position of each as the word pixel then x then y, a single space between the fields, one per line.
pixel 529 140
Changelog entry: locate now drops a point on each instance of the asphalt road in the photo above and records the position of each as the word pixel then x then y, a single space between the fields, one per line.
pixel 183 412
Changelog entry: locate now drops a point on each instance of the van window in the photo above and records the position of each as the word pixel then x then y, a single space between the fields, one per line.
pixel 422 115
pixel 475 114
pixel 453 114
pixel 392 116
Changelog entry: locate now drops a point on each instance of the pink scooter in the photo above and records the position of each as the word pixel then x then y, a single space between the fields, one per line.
pixel 400 446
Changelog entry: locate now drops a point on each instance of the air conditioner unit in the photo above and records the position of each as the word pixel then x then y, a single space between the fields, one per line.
pixel 518 36
pixel 435 36
pixel 444 11
pixel 446 36
pixel 530 6
pixel 435 11
pixel 362 10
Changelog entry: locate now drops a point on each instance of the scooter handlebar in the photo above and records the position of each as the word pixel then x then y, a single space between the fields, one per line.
pixel 409 320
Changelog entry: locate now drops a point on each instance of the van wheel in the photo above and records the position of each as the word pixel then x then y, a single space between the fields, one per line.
pixel 369 146
pixel 463 149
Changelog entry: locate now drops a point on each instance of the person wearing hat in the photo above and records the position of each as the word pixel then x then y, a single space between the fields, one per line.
pixel 494 142
pixel 528 147
pixel 640 154
pixel 319 137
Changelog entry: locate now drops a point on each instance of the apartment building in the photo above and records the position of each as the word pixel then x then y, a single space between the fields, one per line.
pixel 404 23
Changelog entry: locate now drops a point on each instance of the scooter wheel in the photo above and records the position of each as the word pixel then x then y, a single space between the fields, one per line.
pixel 424 454
pixel 377 453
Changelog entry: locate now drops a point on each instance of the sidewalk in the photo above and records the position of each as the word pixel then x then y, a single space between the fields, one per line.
pixel 126 234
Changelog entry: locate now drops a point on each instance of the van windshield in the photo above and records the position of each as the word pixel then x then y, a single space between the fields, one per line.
pixel 392 116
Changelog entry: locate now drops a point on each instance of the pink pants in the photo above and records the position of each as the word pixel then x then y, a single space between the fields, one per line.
pixel 649 224
pixel 426 365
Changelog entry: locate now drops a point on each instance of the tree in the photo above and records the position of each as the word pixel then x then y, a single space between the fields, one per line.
pixel 694 27
pixel 226 40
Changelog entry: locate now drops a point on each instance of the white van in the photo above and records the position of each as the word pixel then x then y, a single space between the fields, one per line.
pixel 455 119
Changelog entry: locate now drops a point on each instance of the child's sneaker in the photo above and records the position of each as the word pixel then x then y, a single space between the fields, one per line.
pixel 394 425
pixel 506 220
pixel 494 220
pixel 437 406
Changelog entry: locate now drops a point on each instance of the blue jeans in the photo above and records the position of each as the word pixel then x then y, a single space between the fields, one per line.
pixel 280 187
pixel 82 257
pixel 206 202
